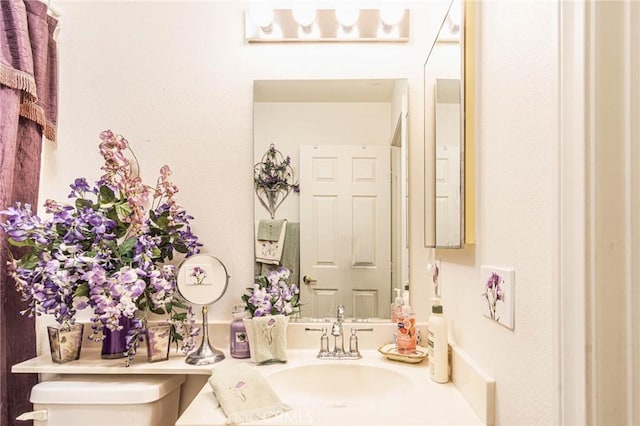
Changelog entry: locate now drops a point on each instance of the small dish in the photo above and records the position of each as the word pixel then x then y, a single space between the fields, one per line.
pixel 389 350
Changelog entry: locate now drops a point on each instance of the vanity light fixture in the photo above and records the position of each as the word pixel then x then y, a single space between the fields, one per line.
pixel 345 22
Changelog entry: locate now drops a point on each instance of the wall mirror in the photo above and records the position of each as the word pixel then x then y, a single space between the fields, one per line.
pixel 345 237
pixel 444 133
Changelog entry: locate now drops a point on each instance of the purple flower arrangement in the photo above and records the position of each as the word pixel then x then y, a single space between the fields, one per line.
pixel 109 250
pixel 273 179
pixel 272 295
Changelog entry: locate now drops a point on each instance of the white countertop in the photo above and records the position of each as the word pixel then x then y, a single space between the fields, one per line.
pixel 429 403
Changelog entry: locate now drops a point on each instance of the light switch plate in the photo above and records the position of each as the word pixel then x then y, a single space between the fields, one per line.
pixel 498 294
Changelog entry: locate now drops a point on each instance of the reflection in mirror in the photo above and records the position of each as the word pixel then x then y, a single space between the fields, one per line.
pixel 345 236
pixel 444 134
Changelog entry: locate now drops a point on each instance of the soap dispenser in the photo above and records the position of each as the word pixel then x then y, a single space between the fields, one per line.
pixel 396 307
pixel 437 344
pixel 406 338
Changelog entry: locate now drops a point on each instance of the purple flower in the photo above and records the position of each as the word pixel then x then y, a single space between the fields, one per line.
pixel 79 187
pixel 108 249
pixel 493 293
pixel 272 294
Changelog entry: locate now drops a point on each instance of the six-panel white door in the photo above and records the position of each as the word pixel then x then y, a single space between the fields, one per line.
pixel 448 231
pixel 345 230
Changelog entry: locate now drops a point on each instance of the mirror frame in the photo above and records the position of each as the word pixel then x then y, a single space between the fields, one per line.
pixel 467 189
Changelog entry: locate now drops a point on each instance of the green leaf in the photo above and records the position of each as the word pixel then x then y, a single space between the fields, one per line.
pixel 180 316
pixel 29 260
pixel 158 311
pixel 163 222
pixel 179 303
pixel 81 203
pixel 126 247
pixel 106 194
pixel 180 248
pixel 295 299
pixel 123 210
pixel 82 290
pixel 26 243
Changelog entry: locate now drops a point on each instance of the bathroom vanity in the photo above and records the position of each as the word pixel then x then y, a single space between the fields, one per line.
pixel 372 390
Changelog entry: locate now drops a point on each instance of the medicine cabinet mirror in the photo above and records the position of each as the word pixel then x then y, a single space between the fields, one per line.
pixel 444 133
pixel 346 230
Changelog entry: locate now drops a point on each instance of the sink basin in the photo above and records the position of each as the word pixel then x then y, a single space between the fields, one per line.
pixel 371 391
pixel 342 384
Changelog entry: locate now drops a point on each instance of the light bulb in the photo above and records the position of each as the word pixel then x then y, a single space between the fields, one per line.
pixel 262 16
pixel 391 15
pixel 305 16
pixel 347 16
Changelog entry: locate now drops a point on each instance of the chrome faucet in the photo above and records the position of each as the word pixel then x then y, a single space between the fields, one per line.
pixel 337 331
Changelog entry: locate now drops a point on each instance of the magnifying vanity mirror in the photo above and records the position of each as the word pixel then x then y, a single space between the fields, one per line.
pixel 202 280
pixel 346 229
pixel 444 133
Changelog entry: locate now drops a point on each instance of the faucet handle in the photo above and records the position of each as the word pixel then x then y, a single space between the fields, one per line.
pixel 340 314
pixel 324 343
pixel 353 342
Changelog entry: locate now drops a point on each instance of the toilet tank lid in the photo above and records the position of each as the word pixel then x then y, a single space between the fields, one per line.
pixel 105 389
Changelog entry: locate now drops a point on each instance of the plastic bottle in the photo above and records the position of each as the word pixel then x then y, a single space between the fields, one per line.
pixel 405 294
pixel 396 307
pixel 406 333
pixel 438 345
pixel 239 341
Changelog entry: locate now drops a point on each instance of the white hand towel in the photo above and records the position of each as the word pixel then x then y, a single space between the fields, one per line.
pixel 267 338
pixel 270 252
pixel 244 394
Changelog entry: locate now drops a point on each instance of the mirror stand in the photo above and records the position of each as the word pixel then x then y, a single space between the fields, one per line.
pixel 205 354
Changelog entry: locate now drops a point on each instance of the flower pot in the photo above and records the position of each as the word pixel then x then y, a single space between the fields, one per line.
pixel 114 344
pixel 65 342
pixel 158 341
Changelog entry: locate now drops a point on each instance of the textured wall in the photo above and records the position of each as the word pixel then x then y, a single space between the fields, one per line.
pixel 176 79
pixel 516 161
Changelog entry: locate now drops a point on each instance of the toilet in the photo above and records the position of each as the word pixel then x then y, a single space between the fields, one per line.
pixel 106 400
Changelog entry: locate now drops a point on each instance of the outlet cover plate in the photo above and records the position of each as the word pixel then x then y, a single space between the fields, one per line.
pixel 498 294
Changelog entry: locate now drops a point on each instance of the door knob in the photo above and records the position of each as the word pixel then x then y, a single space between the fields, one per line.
pixel 309 280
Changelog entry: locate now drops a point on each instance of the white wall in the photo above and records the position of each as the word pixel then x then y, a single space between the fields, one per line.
pixel 516 211
pixel 176 79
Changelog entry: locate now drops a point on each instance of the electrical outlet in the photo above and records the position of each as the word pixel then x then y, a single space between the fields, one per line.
pixel 498 294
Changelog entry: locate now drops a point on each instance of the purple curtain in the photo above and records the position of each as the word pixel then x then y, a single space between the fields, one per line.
pixel 28 110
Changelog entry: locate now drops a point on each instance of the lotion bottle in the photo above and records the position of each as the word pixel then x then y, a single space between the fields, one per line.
pixel 438 345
